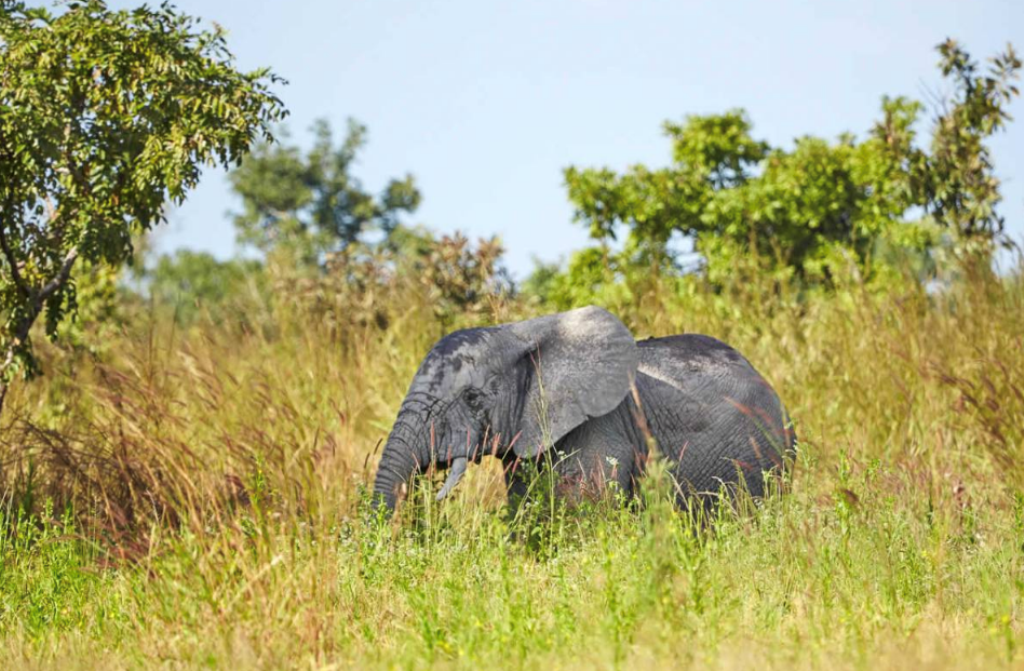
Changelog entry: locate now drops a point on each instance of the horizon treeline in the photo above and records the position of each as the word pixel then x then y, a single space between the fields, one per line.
pixel 895 204
pixel 913 199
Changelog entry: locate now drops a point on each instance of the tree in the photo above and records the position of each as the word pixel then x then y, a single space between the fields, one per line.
pixel 821 208
pixel 336 250
pixel 105 117
pixel 956 181
pixel 308 204
pixel 192 281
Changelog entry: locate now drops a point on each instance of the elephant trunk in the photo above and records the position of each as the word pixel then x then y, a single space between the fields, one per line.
pixel 399 462
pixel 420 438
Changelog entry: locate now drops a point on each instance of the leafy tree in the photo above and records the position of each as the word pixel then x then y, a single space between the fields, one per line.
pixel 308 204
pixel 307 210
pixel 105 116
pixel 708 152
pixel 593 275
pixel 955 182
pixel 459 278
pixel 818 210
pixel 821 208
pixel 99 297
pixel 192 281
pixel 454 278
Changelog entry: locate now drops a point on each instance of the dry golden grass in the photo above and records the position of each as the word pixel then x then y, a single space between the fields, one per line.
pixel 195 499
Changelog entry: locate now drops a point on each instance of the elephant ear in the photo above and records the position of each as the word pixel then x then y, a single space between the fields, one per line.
pixel 582 364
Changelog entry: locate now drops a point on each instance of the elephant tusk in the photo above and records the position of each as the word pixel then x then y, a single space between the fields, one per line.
pixel 455 473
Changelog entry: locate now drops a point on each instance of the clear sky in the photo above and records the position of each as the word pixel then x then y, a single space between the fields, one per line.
pixel 486 101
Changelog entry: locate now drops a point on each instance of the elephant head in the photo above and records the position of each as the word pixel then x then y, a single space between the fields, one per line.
pixel 515 387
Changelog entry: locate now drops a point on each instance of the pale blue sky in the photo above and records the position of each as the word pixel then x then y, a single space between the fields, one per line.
pixel 485 102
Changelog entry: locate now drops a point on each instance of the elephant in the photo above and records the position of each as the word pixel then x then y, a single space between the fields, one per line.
pixel 576 391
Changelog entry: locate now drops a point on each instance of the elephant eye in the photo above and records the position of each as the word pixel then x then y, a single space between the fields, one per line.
pixel 474 398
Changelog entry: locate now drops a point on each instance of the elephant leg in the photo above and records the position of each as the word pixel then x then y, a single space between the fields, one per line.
pixel 602 455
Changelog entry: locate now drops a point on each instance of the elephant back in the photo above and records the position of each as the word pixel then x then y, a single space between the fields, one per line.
pixel 711 413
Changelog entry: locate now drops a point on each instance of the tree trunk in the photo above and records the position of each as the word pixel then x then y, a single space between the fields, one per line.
pixel 21 332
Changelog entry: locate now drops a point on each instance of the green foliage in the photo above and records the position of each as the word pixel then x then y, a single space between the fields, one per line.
pixel 100 307
pixel 194 282
pixel 460 279
pixel 339 253
pixel 105 116
pixel 593 276
pixel 307 204
pixel 709 153
pixel 457 280
pixel 956 182
pixel 820 211
pixel 314 223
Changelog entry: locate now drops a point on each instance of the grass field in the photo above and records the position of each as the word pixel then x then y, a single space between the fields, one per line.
pixel 193 498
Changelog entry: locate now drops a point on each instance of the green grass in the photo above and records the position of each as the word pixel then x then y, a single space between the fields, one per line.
pixel 214 483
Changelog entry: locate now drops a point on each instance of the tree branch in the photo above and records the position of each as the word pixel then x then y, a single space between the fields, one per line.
pixel 19 281
pixel 65 272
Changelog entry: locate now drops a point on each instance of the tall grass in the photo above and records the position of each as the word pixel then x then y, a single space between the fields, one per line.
pixel 195 499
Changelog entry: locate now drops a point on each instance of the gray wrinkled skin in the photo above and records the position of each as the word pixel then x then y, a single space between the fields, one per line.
pixel 576 389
